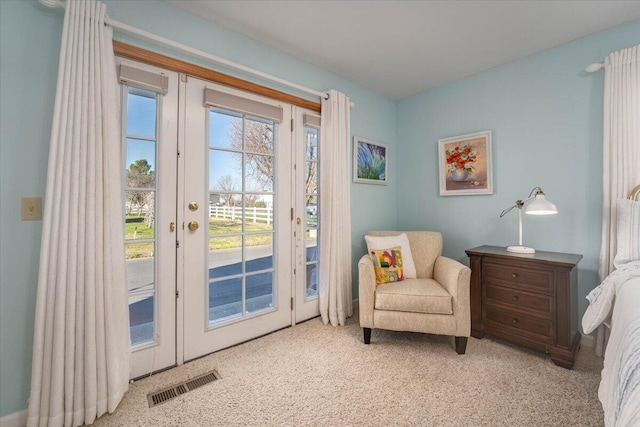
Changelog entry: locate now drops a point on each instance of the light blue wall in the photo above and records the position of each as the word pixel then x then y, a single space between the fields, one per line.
pixel 28 68
pixel 29 48
pixel 545 115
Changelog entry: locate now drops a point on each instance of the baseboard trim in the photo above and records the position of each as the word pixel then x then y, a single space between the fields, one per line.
pixel 587 341
pixel 17 419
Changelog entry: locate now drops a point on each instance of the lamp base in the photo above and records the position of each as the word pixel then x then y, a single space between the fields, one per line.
pixel 521 249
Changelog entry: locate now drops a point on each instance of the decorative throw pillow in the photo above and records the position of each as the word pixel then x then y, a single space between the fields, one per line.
pixel 388 265
pixel 382 242
pixel 628 232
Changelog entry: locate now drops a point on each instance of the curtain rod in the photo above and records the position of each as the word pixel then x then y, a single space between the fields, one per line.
pixel 53 4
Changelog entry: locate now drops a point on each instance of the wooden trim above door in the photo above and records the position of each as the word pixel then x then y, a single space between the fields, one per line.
pixel 153 58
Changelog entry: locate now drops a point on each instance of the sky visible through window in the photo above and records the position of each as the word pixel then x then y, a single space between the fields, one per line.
pixel 219 126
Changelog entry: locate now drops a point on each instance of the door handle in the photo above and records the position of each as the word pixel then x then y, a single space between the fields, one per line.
pixel 193 225
pixel 172 226
pixel 193 206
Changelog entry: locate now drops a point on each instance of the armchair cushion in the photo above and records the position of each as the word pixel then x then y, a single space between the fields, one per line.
pixel 414 295
pixel 387 264
pixel 384 242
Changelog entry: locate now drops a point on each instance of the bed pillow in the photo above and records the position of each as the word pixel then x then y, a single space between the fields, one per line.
pixel 385 242
pixel 628 232
pixel 387 264
pixel 602 297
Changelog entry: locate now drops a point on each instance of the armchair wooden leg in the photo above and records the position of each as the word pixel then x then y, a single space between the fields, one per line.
pixel 461 345
pixel 367 335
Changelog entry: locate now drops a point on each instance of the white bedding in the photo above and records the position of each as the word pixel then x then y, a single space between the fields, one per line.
pixel 618 299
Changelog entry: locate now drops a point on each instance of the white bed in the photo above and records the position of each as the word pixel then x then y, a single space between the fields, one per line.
pixel 616 303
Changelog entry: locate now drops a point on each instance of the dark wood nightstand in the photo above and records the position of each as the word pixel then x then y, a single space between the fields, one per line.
pixel 526 299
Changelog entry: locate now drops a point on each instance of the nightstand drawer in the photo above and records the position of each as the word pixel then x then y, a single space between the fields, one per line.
pixel 524 278
pixel 517 323
pixel 540 303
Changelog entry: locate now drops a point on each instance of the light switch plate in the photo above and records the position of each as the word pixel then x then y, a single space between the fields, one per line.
pixel 31 208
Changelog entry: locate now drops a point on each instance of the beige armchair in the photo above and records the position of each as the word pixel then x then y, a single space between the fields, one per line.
pixel 436 302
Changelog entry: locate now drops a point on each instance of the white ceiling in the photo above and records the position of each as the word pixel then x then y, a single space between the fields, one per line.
pixel 399 48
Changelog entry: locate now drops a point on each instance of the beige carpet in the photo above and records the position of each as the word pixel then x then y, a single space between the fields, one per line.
pixel 316 375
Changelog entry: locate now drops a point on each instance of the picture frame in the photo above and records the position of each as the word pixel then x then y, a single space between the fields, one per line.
pixel 370 162
pixel 464 164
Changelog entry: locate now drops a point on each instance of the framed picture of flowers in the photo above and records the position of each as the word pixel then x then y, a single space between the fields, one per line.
pixel 465 164
pixel 369 161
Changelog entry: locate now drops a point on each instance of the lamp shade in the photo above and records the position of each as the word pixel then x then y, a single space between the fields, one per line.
pixel 540 206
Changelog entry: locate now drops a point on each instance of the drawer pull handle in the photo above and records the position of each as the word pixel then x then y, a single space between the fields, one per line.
pixel 515 298
pixel 514 275
pixel 514 320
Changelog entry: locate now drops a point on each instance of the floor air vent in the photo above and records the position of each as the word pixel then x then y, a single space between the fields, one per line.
pixel 169 393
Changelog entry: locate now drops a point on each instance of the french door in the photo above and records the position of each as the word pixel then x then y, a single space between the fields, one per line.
pixel 307 192
pixel 149 140
pixel 237 244
pixel 222 203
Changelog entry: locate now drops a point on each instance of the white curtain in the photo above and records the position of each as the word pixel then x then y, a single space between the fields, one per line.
pixel 81 354
pixel 621 150
pixel 335 210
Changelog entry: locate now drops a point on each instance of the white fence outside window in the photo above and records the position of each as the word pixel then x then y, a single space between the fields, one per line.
pixel 252 214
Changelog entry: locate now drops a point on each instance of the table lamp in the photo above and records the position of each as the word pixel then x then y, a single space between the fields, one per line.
pixel 538 206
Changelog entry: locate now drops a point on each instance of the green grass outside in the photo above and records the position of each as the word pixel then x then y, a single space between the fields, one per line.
pixel 134 229
pixel 138 250
pixel 225 228
pixel 219 226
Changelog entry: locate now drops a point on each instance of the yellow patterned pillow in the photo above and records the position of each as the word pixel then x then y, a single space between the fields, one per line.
pixel 388 265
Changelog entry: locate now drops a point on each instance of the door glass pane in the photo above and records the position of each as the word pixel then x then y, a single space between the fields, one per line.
pixel 139 214
pixel 225 299
pixel 225 216
pixel 225 171
pixel 259 252
pixel 258 136
pixel 241 218
pixel 259 292
pixel 140 186
pixel 140 163
pixel 312 143
pixel 312 244
pixel 312 280
pixel 258 212
pixel 259 173
pixel 311 211
pixel 140 274
pixel 140 251
pixel 311 177
pixel 141 315
pixel 141 113
pixel 225 256
pixel 225 130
